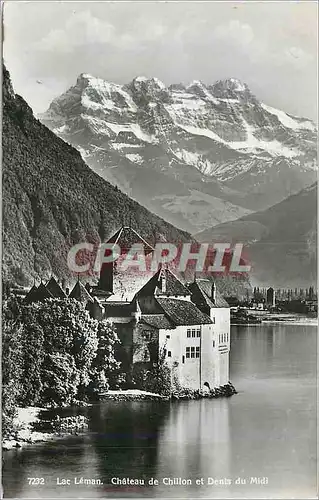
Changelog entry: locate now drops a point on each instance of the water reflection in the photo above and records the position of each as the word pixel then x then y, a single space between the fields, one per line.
pixel 194 443
pixel 268 429
pixel 125 438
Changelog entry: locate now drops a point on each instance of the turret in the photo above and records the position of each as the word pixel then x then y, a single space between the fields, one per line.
pixel 163 281
pixel 213 293
pixel 136 313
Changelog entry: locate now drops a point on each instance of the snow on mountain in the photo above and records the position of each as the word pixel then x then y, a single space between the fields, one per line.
pixel 288 121
pixel 161 144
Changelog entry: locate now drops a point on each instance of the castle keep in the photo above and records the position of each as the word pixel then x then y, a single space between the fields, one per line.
pixel 158 314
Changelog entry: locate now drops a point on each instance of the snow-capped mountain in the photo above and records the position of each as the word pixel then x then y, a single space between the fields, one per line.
pixel 196 155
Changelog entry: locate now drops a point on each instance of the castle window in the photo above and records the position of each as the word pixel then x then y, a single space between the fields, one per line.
pixel 183 359
pixel 192 352
pixel 193 333
pixel 213 343
pixel 168 336
pixel 169 354
pixel 198 332
pixel 188 333
pixel 146 335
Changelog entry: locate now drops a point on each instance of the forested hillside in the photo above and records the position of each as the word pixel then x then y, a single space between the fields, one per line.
pixel 52 199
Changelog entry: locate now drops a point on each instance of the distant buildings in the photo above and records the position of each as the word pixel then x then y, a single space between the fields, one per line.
pixel 156 314
pixel 271 297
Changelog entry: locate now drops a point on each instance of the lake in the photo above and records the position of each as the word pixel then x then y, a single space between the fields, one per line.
pixel 230 447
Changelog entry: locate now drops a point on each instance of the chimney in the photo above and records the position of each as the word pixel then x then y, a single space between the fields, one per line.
pixel 163 281
pixel 213 296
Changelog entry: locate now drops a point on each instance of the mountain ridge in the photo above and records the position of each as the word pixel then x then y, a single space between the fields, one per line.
pixel 215 151
pixel 280 242
pixel 52 199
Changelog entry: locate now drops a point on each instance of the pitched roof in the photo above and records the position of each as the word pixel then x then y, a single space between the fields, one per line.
pixel 31 294
pixel 54 287
pixel 125 237
pixel 202 289
pixel 183 312
pixel 80 293
pixel 174 286
pixel 38 294
pixel 157 320
pixel 119 309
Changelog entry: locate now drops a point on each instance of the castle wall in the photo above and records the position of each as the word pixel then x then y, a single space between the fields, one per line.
pixel 210 357
pixel 197 360
pixel 145 344
pixel 221 326
pixel 191 355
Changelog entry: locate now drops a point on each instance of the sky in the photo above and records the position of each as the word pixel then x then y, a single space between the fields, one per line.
pixel 271 46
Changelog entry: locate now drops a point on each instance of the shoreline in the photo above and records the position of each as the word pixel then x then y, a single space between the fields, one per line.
pixel 265 317
pixel 24 434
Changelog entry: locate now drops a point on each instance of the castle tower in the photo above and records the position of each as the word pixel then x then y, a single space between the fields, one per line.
pixel 111 281
pixel 271 297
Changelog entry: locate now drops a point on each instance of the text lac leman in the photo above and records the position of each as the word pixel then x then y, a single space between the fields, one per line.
pixel 62 481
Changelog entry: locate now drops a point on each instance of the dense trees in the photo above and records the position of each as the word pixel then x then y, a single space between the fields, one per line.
pixel 11 369
pixel 54 353
pixel 157 379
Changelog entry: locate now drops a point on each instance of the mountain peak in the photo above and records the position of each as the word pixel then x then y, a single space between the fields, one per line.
pixel 196 83
pixel 179 87
pixel 231 88
pixel 167 143
pixel 236 85
pixel 84 77
pixel 147 82
pixel 7 85
pixel 45 181
pixel 198 88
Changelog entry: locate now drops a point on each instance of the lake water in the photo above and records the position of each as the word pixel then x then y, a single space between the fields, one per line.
pixel 267 430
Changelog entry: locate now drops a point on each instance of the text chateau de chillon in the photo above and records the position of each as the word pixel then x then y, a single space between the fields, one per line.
pixel 157 314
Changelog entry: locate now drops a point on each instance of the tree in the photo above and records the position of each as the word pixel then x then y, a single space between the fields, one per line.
pixel 53 352
pixel 106 369
pixel 69 330
pixel 159 377
pixel 156 379
pixel 32 341
pixel 11 371
pixel 60 379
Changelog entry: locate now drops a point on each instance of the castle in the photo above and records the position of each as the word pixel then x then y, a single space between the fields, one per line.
pixel 157 314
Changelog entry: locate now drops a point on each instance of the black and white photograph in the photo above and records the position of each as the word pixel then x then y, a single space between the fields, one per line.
pixel 159 249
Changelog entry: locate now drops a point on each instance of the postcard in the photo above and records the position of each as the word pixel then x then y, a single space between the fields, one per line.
pixel 159 249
